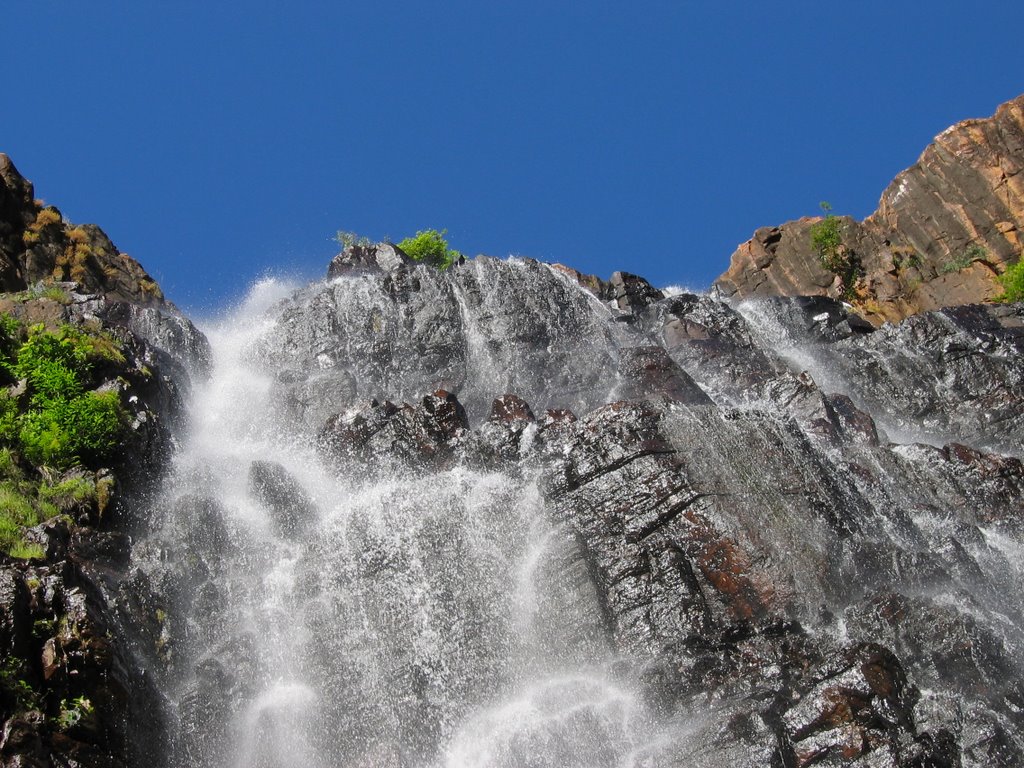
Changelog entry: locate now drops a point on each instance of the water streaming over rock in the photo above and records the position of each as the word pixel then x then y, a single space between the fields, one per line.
pixel 416 619
pixel 733 567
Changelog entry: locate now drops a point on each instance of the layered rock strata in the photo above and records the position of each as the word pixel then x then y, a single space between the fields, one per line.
pixel 943 230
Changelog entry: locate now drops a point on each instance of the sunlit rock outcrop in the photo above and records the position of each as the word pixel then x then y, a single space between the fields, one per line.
pixel 944 229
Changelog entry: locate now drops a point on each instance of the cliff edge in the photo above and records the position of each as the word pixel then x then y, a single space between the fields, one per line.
pixel 944 229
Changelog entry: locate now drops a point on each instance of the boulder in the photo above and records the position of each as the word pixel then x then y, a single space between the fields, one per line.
pixel 380 257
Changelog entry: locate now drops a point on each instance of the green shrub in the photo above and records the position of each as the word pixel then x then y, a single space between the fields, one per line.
pixel 1012 281
pixel 13 683
pixel 57 419
pixel 827 241
pixel 60 421
pixel 429 246
pixel 8 418
pixel 74 712
pixel 85 428
pixel 347 239
pixel 973 253
pixel 8 466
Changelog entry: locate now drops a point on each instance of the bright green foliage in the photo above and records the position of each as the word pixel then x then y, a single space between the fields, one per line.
pixel 23 550
pixel 8 417
pixel 84 428
pixel 17 512
pixel 827 240
pixel 60 421
pixel 8 467
pixel 429 246
pixel 55 418
pixel 1012 281
pixel 72 490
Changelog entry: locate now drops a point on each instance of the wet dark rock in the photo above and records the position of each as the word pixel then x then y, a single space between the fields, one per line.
pixel 851 421
pixel 855 702
pixel 205 710
pixel 631 292
pixel 316 397
pixel 292 510
pixel 424 435
pixel 485 328
pixel 110 547
pixel 63 643
pixel 380 257
pixel 949 375
pixel 650 372
pixel 506 437
pixel 510 409
pixel 715 346
pixel 202 521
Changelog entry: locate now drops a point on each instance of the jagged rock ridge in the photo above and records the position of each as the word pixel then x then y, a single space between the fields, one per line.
pixel 944 228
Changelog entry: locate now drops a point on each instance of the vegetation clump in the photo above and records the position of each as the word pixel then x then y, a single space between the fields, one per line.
pixel 348 239
pixel 59 420
pixel 1012 281
pixel 430 247
pixel 51 415
pixel 827 241
pixel 974 252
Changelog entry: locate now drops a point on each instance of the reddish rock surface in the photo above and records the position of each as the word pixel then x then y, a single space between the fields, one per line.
pixel 944 229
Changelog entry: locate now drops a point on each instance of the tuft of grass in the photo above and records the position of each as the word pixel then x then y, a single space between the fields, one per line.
pixel 17 512
pixel 68 494
pixel 23 550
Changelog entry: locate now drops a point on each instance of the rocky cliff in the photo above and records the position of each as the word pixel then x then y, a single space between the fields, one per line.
pixel 944 228
pixel 94 373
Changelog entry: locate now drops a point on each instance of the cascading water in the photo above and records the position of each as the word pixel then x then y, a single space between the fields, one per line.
pixel 693 577
pixel 417 619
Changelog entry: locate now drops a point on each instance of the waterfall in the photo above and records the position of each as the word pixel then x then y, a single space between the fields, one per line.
pixel 420 619
pixel 355 571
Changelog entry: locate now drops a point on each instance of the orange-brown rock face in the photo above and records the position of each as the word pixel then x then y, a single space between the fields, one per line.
pixel 944 229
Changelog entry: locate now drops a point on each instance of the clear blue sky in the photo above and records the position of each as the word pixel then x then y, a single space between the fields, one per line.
pixel 217 141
